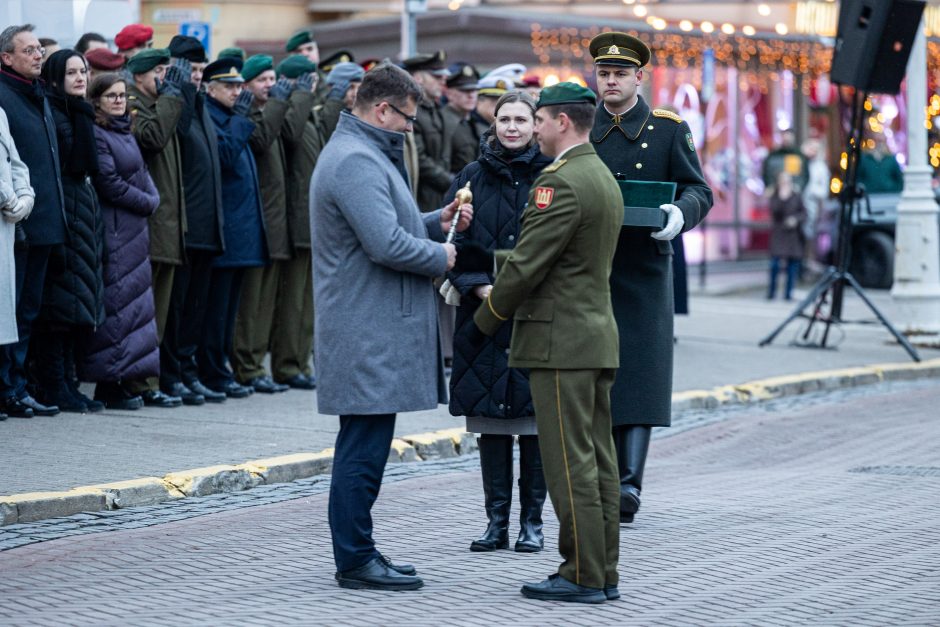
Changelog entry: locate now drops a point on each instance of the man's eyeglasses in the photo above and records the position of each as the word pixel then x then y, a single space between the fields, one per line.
pixel 33 51
pixel 411 119
pixel 114 97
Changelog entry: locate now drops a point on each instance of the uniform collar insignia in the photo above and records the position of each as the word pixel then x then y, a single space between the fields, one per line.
pixel 631 123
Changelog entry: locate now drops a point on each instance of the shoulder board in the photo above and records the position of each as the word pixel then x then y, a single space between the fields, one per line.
pixel 131 97
pixel 318 108
pixel 554 166
pixel 669 115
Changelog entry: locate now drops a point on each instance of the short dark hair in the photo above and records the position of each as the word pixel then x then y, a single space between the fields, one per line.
pixel 9 34
pixel 82 44
pixel 47 41
pixel 389 83
pixel 581 114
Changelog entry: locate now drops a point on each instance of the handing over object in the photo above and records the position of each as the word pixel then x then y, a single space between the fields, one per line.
pixel 463 197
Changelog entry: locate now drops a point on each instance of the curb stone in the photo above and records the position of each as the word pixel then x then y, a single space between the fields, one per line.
pixel 448 443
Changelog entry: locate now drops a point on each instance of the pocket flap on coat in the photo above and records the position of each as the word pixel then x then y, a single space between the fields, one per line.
pixel 536 309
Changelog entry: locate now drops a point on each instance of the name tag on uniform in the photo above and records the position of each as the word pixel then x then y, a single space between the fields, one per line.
pixel 641 201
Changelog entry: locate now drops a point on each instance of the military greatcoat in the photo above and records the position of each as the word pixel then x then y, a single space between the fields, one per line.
pixel 647 145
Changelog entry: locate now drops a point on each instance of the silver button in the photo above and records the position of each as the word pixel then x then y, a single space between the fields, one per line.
pixel 639 166
pixel 501 406
pixel 644 145
pixel 512 238
pixel 650 127
pixel 507 351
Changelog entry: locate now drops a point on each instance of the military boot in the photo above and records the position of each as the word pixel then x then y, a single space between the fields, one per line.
pixel 532 492
pixel 496 467
pixel 632 443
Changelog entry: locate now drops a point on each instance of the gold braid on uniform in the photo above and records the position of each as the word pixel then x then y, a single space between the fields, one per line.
pixel 669 115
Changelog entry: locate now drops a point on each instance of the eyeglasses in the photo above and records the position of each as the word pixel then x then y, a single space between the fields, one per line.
pixel 411 119
pixel 114 97
pixel 33 51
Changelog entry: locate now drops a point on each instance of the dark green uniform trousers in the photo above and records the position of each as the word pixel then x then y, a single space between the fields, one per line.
pixel 292 344
pixel 162 279
pixel 572 410
pixel 255 320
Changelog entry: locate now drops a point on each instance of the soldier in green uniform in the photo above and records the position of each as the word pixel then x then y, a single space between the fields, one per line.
pixel 637 143
pixel 555 286
pixel 303 43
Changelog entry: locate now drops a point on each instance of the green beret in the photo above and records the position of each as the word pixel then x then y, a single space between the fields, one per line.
pixel 616 48
pixel 228 53
pixel 147 59
pixel 298 39
pixel 255 65
pixel 295 65
pixel 565 93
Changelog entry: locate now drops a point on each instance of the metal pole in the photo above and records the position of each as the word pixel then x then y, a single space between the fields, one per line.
pixel 406 26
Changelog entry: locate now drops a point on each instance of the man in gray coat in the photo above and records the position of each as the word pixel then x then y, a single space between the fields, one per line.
pixel 377 346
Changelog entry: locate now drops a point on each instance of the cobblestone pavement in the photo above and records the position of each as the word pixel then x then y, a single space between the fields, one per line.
pixel 70 450
pixel 822 511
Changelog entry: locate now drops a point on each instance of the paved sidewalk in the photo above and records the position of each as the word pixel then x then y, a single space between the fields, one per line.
pixel 821 511
pixel 717 345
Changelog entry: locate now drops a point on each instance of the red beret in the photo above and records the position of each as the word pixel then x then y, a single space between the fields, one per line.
pixel 531 81
pixel 104 59
pixel 133 36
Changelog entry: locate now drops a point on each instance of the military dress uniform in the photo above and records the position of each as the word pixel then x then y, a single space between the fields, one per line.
pixel 554 285
pixel 644 145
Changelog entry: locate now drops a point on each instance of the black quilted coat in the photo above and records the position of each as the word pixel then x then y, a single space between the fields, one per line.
pixel 74 290
pixel 482 383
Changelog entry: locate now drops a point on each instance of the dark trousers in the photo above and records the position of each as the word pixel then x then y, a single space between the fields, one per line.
pixel 362 447
pixel 219 326
pixel 31 264
pixel 793 273
pixel 185 319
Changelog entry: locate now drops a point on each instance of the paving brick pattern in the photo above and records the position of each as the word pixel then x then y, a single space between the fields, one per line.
pixel 761 518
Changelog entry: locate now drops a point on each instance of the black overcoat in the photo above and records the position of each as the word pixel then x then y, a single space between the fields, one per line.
pixel 647 146
pixel 481 382
pixel 433 133
pixel 202 179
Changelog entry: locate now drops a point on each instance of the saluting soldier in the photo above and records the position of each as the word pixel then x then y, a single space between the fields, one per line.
pixel 303 43
pixel 555 286
pixel 638 143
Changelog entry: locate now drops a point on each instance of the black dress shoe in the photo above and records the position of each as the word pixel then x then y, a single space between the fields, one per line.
pixel 266 385
pixel 300 382
pixel 629 503
pixel 129 403
pixel 376 575
pixel 188 396
pixel 156 398
pixel 211 396
pixel 612 593
pixel 557 588
pixel 231 389
pixel 3 416
pixel 404 569
pixel 27 407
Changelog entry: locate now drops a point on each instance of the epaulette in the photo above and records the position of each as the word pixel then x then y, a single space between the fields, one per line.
pixel 318 108
pixel 669 115
pixel 554 166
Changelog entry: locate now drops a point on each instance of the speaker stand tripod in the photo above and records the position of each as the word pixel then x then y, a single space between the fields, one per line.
pixel 829 289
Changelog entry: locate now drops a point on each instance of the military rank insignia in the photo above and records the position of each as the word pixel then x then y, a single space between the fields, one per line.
pixel 543 197
pixel 688 138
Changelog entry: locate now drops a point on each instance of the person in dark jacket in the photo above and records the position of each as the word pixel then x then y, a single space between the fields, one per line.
pixel 788 213
pixel 33 131
pixel 461 104
pixel 203 240
pixel 245 245
pixel 494 397
pixel 73 301
pixel 125 347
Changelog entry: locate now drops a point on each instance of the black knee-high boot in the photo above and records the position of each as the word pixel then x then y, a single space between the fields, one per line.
pixel 532 492
pixel 496 467
pixel 632 443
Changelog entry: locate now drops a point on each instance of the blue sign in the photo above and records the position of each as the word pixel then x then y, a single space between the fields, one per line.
pixel 198 30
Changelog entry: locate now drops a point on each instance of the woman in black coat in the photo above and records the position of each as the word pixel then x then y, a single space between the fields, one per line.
pixel 494 397
pixel 73 295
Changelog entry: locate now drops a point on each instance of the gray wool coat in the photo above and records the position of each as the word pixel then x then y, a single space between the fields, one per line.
pixel 377 346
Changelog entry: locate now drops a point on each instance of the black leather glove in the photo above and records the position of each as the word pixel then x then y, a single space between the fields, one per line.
pixel 172 83
pixel 243 103
pixel 471 257
pixel 305 82
pixel 185 68
pixel 280 90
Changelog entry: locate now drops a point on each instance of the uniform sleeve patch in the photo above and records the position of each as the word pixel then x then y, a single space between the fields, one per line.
pixel 688 139
pixel 544 197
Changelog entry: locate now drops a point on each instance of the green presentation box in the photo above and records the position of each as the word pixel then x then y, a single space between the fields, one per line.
pixel 641 201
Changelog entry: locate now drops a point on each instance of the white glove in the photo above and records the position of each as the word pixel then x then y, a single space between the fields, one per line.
pixel 20 211
pixel 674 223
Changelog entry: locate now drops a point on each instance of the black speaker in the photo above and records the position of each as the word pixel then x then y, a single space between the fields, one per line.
pixel 874 42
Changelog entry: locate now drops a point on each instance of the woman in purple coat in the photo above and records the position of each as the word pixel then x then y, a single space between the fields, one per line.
pixel 125 347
